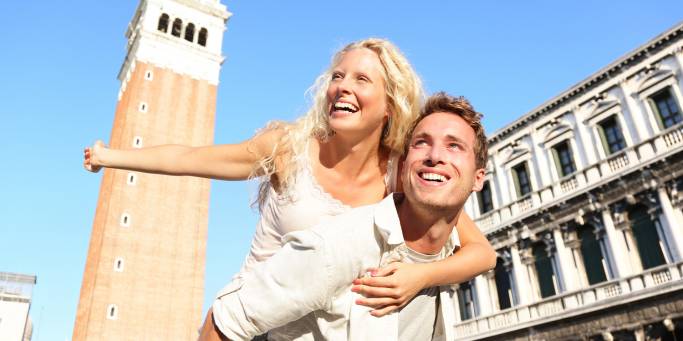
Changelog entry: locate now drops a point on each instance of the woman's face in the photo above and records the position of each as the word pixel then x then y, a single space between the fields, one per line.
pixel 357 101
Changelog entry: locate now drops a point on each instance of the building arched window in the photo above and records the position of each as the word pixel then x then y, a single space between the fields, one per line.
pixel 466 300
pixel 592 255
pixel 544 270
pixel 647 239
pixel 189 32
pixel 203 36
pixel 177 27
pixel 163 23
pixel 503 285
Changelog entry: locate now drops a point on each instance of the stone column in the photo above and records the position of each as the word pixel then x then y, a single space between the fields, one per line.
pixel 566 264
pixel 573 245
pixel 527 258
pixel 639 333
pixel 671 225
pixel 456 303
pixel 616 247
pixel 493 290
pixel 551 251
pixel 520 277
pixel 483 295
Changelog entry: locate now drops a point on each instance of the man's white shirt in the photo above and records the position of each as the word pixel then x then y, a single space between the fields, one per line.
pixel 303 292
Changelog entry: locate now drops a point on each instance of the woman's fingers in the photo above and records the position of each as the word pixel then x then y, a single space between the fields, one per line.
pixel 384 311
pixel 371 291
pixel 376 303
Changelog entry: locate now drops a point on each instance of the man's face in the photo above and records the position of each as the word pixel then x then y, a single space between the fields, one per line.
pixel 439 172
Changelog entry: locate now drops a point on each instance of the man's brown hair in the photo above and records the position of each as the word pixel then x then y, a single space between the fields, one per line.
pixel 442 102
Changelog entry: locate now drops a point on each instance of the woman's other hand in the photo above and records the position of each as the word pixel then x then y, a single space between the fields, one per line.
pixel 91 157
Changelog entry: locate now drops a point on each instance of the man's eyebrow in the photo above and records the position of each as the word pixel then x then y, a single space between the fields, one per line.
pixel 457 139
pixel 420 134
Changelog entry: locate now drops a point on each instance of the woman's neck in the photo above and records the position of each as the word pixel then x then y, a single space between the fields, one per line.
pixel 352 158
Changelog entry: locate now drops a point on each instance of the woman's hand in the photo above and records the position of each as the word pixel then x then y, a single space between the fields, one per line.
pixel 91 157
pixel 389 288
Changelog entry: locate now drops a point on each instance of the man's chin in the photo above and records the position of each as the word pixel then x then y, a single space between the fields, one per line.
pixel 437 207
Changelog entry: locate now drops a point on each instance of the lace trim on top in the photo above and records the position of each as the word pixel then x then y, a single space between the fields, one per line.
pixel 306 169
pixel 318 190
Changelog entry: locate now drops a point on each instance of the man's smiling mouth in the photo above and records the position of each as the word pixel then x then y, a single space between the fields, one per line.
pixel 432 177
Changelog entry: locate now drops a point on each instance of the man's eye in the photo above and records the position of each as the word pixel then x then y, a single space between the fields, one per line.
pixel 419 143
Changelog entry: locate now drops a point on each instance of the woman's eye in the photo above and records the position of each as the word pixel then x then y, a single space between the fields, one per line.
pixel 336 75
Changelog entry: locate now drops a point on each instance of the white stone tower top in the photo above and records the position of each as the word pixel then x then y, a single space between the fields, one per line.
pixel 182 35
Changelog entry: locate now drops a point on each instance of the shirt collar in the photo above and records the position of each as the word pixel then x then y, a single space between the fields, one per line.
pixel 389 226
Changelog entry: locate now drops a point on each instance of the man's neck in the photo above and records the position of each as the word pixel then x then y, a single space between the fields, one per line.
pixel 426 230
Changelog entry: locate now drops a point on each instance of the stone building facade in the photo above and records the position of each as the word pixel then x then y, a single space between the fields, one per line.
pixel 584 205
pixel 16 291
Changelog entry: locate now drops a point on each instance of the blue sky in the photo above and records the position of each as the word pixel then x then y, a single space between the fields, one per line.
pixel 60 60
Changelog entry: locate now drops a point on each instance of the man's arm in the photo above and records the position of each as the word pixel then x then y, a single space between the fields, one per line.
pixel 209 331
pixel 289 285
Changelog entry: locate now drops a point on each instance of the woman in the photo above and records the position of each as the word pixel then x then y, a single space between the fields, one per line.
pixel 352 135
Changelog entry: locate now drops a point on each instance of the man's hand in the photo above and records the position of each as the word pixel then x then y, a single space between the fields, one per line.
pixel 390 288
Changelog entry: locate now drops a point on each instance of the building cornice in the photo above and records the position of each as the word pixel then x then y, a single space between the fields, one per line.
pixel 609 72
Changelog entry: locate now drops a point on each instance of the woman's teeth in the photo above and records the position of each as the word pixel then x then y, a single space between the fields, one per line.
pixel 345 106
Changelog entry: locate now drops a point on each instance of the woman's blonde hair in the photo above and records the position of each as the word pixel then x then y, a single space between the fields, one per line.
pixel 404 98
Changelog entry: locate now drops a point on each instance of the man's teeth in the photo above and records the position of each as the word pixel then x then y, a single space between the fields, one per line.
pixel 433 177
pixel 345 106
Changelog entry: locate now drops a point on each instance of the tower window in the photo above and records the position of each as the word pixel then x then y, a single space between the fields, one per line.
pixel 611 136
pixel 142 107
pixel 137 142
pixel 203 36
pixel 112 312
pixel 125 220
pixel 148 75
pixel 189 32
pixel 564 161
pixel 118 264
pixel 163 23
pixel 131 179
pixel 177 27
pixel 668 112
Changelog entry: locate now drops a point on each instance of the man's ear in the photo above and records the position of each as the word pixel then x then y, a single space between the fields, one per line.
pixel 479 176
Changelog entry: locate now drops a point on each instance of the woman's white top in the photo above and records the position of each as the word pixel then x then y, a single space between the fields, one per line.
pixel 304 205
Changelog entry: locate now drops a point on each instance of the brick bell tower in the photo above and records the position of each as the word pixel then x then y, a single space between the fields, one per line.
pixel 144 274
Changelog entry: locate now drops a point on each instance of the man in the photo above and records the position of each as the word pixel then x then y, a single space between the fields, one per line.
pixel 304 290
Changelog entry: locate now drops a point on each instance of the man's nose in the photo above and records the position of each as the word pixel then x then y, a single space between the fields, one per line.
pixel 435 155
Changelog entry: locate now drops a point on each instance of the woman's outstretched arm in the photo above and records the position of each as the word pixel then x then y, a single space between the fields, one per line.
pixel 393 286
pixel 226 162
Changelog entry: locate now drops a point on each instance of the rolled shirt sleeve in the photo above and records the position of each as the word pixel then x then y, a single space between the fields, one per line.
pixel 287 286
